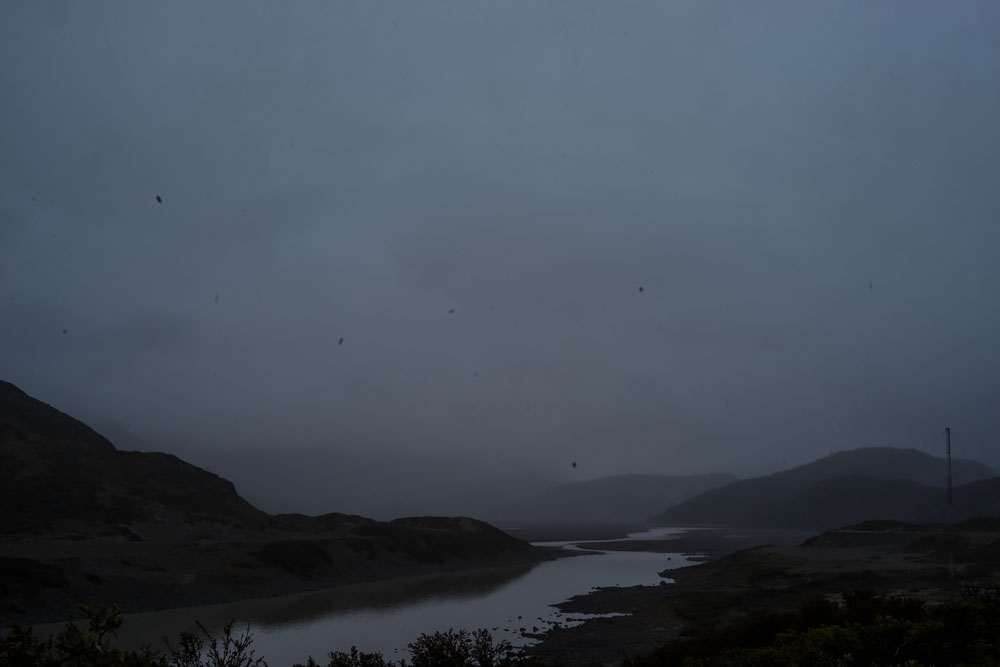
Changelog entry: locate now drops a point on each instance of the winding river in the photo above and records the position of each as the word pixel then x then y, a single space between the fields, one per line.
pixel 386 616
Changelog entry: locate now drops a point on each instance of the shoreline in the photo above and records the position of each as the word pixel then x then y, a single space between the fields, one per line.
pixel 641 623
pixel 57 605
pixel 308 606
pixel 772 575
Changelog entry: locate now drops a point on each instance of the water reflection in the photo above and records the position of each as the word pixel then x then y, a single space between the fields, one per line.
pixel 388 594
pixel 368 597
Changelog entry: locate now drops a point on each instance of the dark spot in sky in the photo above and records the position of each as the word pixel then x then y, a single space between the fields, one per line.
pixel 64 331
pixel 341 341
pixel 869 287
pixel 574 464
pixel 217 297
pixel 641 288
pixel 475 375
pixel 159 199
pixel 451 311
pixel 34 199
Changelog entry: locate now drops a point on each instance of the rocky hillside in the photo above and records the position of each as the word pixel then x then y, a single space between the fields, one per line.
pixel 58 473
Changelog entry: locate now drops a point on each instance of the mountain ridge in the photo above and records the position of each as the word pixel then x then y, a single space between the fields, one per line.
pixel 894 483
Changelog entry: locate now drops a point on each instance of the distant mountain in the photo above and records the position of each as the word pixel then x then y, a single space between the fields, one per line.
pixel 615 499
pixel 842 501
pixel 844 488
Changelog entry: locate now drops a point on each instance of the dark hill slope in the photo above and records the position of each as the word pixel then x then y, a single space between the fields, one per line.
pixel 846 487
pixel 614 499
pixel 56 472
pixel 29 421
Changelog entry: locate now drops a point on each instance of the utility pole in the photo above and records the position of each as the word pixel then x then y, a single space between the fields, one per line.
pixel 951 537
pixel 947 447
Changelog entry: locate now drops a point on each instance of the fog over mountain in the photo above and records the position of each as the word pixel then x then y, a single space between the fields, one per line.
pixel 392 258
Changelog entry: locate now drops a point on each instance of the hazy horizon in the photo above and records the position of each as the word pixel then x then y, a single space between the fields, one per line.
pixel 450 250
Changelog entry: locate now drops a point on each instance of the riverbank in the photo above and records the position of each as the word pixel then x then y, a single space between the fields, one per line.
pixel 775 576
pixel 565 532
pixel 701 543
pixel 43 577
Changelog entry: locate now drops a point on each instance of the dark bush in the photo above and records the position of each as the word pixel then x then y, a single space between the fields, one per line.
pixel 459 648
pixel 74 646
pixel 353 658
pixel 202 649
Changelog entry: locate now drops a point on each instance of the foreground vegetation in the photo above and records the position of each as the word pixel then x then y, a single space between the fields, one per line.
pixel 861 628
pixel 94 646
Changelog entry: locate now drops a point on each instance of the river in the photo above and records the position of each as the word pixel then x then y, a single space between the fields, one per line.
pixel 386 616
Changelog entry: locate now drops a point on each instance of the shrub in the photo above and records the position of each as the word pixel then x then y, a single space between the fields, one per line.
pixel 463 649
pixel 202 649
pixel 75 646
pixel 354 658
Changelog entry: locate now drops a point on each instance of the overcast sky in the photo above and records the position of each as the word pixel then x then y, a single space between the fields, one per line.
pixel 640 236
